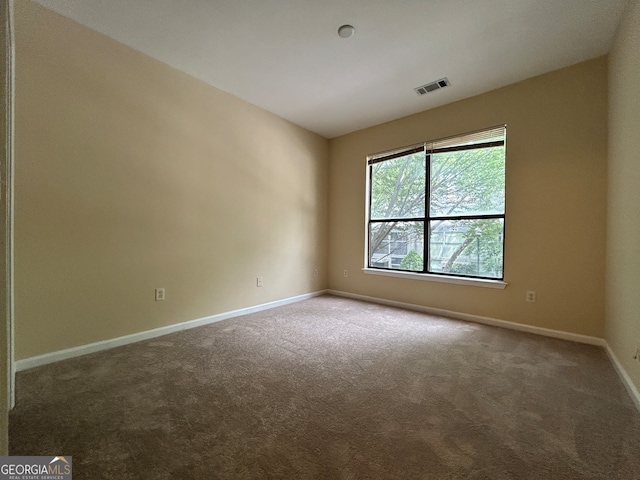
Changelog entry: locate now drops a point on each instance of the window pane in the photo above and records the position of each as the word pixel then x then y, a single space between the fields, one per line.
pixel 398 187
pixel 397 245
pixel 467 182
pixel 467 247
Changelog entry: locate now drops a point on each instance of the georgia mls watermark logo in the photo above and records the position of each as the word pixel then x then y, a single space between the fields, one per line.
pixel 35 468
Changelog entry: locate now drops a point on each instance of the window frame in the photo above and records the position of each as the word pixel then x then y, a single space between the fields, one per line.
pixel 426 220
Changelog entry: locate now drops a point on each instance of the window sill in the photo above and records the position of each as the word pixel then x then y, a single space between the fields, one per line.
pixel 472 282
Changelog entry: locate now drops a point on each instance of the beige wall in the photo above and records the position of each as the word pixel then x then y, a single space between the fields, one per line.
pixel 556 194
pixel 131 175
pixel 623 230
pixel 4 331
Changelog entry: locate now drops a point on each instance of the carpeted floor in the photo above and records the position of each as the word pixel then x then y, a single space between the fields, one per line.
pixel 333 388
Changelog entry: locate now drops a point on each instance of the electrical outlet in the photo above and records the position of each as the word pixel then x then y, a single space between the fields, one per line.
pixel 159 294
pixel 531 296
pixel 346 273
pixel 258 281
pixel 315 272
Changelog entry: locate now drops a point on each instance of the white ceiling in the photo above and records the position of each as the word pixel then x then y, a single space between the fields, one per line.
pixel 286 57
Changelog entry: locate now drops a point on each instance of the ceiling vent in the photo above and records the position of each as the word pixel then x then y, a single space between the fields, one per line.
pixel 433 86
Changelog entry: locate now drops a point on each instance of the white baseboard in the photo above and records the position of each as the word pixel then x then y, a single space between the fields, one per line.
pixel 158 332
pixel 624 376
pixel 148 334
pixel 574 337
pixel 547 332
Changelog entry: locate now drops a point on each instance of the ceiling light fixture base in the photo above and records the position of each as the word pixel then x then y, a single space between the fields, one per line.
pixel 346 31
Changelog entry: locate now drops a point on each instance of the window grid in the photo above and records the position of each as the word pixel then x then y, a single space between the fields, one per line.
pixel 428 218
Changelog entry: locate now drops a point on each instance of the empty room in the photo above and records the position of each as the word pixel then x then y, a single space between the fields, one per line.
pixel 322 240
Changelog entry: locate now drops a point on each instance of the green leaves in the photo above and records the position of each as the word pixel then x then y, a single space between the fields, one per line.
pixel 468 182
pixel 413 261
pixel 398 187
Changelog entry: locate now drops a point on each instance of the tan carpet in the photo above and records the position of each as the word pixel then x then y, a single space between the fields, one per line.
pixel 333 388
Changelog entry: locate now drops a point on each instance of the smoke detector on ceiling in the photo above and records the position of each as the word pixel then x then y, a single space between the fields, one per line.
pixel 433 86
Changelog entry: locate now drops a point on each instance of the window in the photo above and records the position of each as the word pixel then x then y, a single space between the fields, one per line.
pixel 439 207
